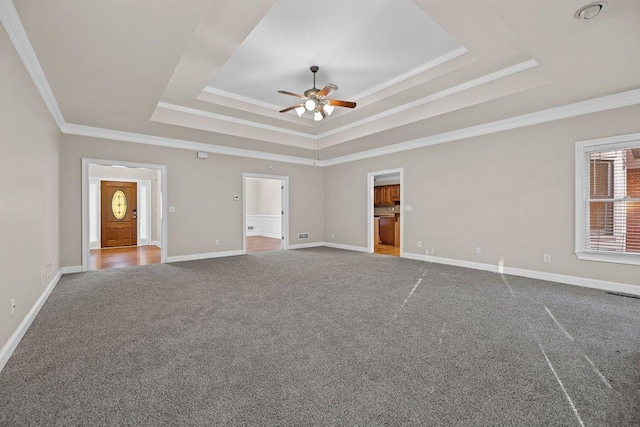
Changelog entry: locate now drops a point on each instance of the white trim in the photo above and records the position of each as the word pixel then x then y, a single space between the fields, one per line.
pixel 552 277
pixel 71 269
pixel 415 71
pixel 582 149
pixel 307 245
pixel 221 117
pixel 285 206
pixel 116 135
pixel 419 69
pixel 195 257
pixel 345 247
pixel 16 337
pixel 370 208
pixel 435 96
pixel 223 93
pixel 274 221
pixel 12 23
pixel 619 100
pixel 616 258
pixel 85 203
pixel 156 243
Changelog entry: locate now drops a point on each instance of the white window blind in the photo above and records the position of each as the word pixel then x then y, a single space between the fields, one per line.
pixel 611 201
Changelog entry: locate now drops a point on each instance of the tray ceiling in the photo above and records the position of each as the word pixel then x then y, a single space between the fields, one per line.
pixel 206 73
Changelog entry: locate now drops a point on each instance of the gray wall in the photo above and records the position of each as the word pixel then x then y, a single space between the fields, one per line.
pixel 201 190
pixel 510 193
pixel 30 148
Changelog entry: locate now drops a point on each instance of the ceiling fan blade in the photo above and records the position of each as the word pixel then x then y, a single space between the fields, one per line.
pixel 338 103
pixel 284 92
pixel 328 90
pixel 293 107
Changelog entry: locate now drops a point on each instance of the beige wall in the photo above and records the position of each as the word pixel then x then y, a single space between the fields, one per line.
pixel 510 193
pixel 264 196
pixel 153 175
pixel 201 191
pixel 29 151
pixel 253 196
pixel 270 197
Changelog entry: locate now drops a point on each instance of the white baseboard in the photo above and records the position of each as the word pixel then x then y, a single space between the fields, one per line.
pixel 532 274
pixel 346 247
pixel 306 245
pixel 194 257
pixel 71 269
pixel 17 335
pixel 156 243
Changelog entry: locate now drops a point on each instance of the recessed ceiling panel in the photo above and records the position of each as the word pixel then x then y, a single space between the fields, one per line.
pixel 358 44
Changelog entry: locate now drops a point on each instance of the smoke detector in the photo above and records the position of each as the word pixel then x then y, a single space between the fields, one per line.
pixel 591 10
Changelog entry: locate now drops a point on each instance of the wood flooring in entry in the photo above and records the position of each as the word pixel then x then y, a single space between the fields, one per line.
pixel 106 258
pixel 263 244
pixel 387 250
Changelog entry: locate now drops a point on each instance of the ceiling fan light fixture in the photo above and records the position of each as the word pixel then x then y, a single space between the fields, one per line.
pixel 328 109
pixel 310 105
pixel 300 111
pixel 317 116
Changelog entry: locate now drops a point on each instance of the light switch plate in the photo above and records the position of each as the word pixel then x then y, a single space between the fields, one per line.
pixel 172 209
pixel 408 208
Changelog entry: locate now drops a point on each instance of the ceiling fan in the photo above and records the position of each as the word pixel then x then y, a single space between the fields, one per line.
pixel 316 100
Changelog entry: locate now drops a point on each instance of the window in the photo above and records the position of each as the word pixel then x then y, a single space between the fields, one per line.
pixel 608 200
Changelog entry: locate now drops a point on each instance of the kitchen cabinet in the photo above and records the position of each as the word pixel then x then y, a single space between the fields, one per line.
pixel 386 194
pixel 388 230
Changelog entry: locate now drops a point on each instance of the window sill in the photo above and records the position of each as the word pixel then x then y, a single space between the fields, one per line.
pixel 630 259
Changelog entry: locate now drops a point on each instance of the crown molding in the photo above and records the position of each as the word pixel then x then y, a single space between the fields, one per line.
pixel 13 25
pixel 11 21
pixel 215 116
pixel 219 92
pixel 430 98
pixel 138 138
pixel 438 95
pixel 610 102
pixel 419 69
pixel 413 72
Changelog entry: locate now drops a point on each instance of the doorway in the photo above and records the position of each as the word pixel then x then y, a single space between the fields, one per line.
pixel 123 214
pixel 265 201
pixel 385 221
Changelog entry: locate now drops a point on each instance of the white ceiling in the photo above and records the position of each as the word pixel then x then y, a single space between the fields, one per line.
pixel 207 72
pixel 358 44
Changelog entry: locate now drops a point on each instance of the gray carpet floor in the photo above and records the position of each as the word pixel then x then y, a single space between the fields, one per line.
pixel 323 337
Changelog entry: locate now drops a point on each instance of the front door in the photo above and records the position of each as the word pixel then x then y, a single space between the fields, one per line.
pixel 119 217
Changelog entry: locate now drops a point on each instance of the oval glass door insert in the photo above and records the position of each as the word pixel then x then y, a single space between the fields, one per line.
pixel 119 204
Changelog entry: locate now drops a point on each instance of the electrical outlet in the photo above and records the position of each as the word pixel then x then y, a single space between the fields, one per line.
pixel 419 244
pixel 217 242
pixel 13 305
pixel 478 250
pixel 547 258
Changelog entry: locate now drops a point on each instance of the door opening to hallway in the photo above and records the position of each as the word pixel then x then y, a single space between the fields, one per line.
pixel 264 214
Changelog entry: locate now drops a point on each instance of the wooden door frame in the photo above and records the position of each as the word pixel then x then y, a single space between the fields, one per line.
pixel 99 179
pixel 285 206
pixel 85 203
pixel 370 211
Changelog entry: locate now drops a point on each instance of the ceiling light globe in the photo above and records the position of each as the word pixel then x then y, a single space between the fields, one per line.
pixel 300 111
pixel 310 105
pixel 328 109
pixel 317 116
